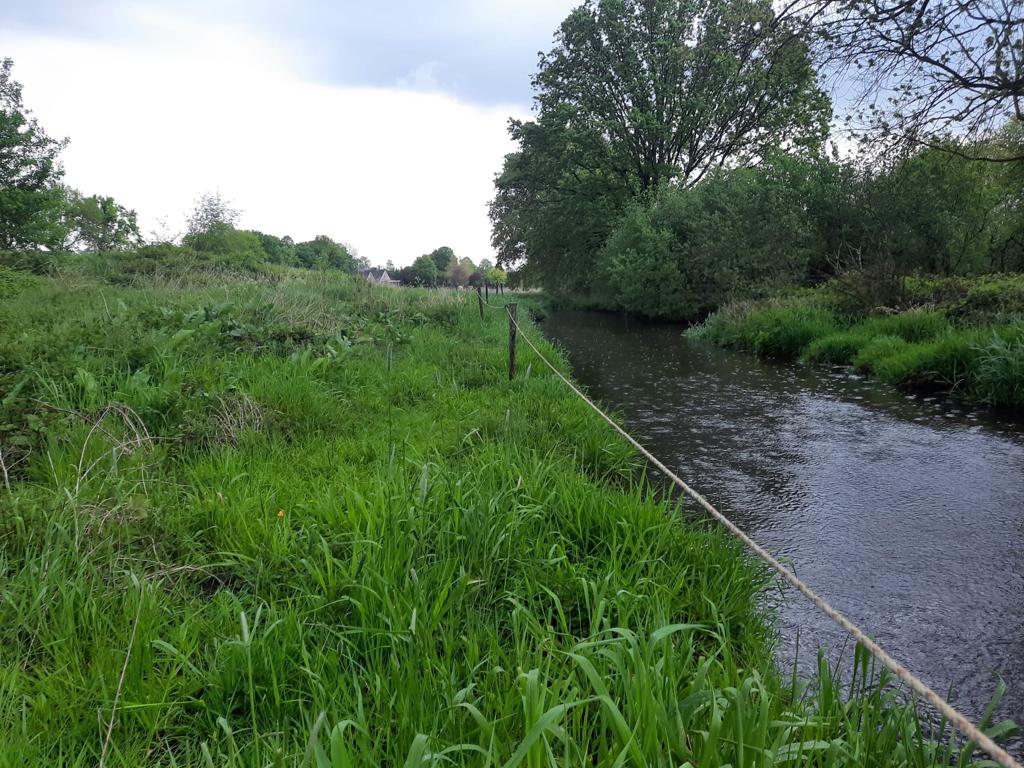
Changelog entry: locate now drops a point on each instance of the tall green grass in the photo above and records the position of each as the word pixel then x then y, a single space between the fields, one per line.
pixel 314 524
pixel 947 348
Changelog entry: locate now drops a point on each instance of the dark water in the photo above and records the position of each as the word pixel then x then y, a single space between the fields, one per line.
pixel 906 513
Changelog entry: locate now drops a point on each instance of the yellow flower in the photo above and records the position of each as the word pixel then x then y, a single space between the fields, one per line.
pixel 280 513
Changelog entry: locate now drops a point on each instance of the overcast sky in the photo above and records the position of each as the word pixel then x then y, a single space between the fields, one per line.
pixel 380 124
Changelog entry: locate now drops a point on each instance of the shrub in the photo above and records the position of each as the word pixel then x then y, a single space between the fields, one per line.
pixel 13 282
pixel 992 298
pixel 36 262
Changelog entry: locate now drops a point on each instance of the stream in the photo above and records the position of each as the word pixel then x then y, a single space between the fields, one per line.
pixel 905 512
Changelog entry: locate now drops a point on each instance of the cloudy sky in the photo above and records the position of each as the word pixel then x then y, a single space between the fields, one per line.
pixel 380 124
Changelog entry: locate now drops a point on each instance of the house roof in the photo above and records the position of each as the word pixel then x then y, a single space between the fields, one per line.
pixel 376 273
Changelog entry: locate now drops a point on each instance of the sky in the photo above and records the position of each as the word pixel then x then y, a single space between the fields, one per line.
pixel 378 124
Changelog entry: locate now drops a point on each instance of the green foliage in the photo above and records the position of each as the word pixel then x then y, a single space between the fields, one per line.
pixel 211 211
pixel 836 348
pixel 700 82
pixel 634 96
pixel 445 259
pixel 998 378
pixel 773 330
pixel 627 191
pixel 98 223
pixel 783 333
pixel 423 271
pixel 989 298
pixel 913 325
pixel 878 349
pixel 234 246
pixel 496 276
pixel 944 363
pixel 278 250
pixel 738 235
pixel 322 252
pixel 349 539
pixel 30 199
pixel 13 282
pixel 931 347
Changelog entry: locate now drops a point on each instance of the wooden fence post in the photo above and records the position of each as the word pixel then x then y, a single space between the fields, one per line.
pixel 487 291
pixel 511 340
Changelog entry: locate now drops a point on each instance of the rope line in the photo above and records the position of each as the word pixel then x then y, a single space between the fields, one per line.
pixel 958 720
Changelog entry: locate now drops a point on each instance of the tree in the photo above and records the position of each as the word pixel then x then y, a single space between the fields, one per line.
pixel 485 266
pixel 322 252
pixel 459 275
pixel 742 233
pixel 422 272
pixel 557 198
pixel 497 276
pixel 211 210
pixel 930 71
pixel 467 263
pixel 279 250
pixel 444 258
pixel 637 94
pixel 99 223
pixel 30 198
pixel 681 86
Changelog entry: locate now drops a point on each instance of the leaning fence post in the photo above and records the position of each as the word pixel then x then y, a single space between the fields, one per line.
pixel 480 301
pixel 487 291
pixel 511 308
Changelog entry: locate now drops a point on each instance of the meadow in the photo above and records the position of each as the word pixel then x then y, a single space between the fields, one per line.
pixel 281 517
pixel 962 337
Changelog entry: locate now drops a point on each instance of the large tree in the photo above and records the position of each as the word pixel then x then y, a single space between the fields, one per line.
pixel 929 71
pixel 444 258
pixel 639 93
pixel 99 223
pixel 322 251
pixel 678 87
pixel 423 271
pixel 30 198
pixel 211 210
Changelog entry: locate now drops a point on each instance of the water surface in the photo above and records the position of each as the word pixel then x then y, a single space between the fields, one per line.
pixel 906 513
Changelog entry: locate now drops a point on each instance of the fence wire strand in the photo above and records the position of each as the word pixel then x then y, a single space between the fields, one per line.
pixel 959 721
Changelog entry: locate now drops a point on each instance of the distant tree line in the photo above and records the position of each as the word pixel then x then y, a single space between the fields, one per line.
pixel 680 154
pixel 441 267
pixel 38 211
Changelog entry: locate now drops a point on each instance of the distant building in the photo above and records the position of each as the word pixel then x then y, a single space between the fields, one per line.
pixel 378 275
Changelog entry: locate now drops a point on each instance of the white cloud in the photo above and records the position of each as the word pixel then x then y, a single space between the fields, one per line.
pixel 191 108
pixel 425 77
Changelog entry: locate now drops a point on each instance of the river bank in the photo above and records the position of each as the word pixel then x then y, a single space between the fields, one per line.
pixel 290 514
pixel 962 337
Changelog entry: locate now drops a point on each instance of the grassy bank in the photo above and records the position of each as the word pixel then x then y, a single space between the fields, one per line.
pixel 963 337
pixel 286 518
